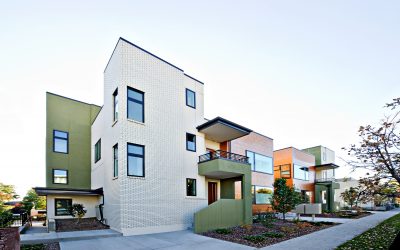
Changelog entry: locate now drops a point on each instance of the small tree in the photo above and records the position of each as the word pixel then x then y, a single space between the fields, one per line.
pixel 350 196
pixel 78 210
pixel 284 198
pixel 32 200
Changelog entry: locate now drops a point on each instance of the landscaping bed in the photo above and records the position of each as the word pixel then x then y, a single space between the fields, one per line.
pixel 46 246
pixel 262 234
pixel 341 214
pixel 379 237
pixel 68 225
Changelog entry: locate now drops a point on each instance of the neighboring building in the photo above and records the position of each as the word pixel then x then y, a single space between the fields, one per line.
pixel 325 183
pixel 345 184
pixel 298 167
pixel 259 149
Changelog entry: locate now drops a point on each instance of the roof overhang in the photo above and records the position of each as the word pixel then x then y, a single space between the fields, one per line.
pixel 42 191
pixel 221 130
pixel 326 166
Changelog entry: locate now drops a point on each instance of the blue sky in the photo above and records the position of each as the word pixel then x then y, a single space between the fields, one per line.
pixel 302 72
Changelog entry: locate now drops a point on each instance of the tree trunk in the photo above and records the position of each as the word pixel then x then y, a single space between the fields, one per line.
pixel 283 216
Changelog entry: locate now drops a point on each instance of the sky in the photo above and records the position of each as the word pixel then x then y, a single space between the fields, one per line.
pixel 305 73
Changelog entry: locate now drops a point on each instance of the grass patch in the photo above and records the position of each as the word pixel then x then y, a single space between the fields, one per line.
pixel 379 237
pixel 33 247
pixel 223 231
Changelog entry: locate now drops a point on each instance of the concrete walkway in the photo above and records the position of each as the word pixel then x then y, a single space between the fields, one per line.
pixel 330 238
pixel 181 240
pixel 34 238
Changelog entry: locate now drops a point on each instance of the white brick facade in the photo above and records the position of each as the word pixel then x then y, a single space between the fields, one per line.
pixel 156 202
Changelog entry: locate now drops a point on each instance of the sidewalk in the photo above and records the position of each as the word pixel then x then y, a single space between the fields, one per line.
pixel 331 238
pixel 34 238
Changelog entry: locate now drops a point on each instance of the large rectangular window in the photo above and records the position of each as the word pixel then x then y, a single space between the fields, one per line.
pixel 190 98
pixel 60 141
pixel 261 195
pixel 190 187
pixel 190 142
pixel 135 160
pixel 115 105
pixel 60 176
pixel 63 206
pixel 115 160
pixel 260 163
pixel 135 105
pixel 300 172
pixel 97 151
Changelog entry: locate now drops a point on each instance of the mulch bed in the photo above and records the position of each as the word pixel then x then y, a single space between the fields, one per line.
pixel 46 246
pixel 341 215
pixel 9 238
pixel 284 229
pixel 68 225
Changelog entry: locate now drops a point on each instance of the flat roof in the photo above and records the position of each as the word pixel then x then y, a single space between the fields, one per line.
pixel 67 191
pixel 220 130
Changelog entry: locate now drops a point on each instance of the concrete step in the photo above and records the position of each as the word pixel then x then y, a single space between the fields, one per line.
pixel 67 236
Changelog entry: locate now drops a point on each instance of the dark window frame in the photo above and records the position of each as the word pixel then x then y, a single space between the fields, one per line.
pixel 308 172
pixel 97 151
pixel 115 160
pixel 55 206
pixel 187 187
pixel 253 165
pixel 195 141
pixel 60 138
pixel 115 105
pixel 128 99
pixel 135 155
pixel 52 174
pixel 254 200
pixel 194 95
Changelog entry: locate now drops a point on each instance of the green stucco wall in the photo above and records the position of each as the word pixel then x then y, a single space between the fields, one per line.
pixel 221 214
pixel 75 118
pixel 316 151
pixel 227 211
pixel 330 197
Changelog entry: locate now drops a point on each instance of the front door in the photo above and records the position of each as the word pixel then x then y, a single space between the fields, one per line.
pixel 212 192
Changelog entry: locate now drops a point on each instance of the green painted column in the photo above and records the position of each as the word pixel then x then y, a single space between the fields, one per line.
pixel 247 198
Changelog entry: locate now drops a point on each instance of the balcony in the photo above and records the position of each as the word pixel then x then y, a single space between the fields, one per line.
pixel 222 165
pixel 220 154
pixel 325 179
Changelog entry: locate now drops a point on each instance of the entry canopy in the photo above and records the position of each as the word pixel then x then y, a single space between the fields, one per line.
pixel 221 130
pixel 42 191
pixel 326 166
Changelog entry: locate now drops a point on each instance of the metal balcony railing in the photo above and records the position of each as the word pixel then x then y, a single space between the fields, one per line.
pixel 220 154
pixel 325 179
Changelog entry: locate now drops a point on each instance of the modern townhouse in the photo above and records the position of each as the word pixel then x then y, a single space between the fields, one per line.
pixel 297 167
pixel 326 186
pixel 148 161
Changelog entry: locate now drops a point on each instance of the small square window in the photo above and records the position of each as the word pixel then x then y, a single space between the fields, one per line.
pixel 135 105
pixel 190 98
pixel 60 176
pixel 63 206
pixel 190 187
pixel 135 160
pixel 190 142
pixel 60 141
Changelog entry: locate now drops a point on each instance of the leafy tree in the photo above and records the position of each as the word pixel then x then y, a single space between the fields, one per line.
pixel 284 198
pixel 32 200
pixel 379 147
pixel 350 196
pixel 7 193
pixel 78 210
pixel 6 218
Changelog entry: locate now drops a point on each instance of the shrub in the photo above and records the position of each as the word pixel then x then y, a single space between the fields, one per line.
pixel 6 218
pixel 254 238
pixel 77 210
pixel 288 229
pixel 223 231
pixel 273 234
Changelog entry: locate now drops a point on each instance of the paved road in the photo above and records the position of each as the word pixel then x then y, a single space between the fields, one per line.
pixel 331 238
pixel 181 240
